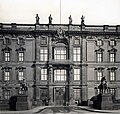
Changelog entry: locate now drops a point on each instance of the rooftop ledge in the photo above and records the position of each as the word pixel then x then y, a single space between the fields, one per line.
pixel 66 27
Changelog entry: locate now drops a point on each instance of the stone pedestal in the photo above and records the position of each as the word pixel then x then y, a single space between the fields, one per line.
pixel 106 103
pixel 22 102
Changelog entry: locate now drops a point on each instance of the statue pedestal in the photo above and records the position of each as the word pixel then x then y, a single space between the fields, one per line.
pixel 22 102
pixel 106 103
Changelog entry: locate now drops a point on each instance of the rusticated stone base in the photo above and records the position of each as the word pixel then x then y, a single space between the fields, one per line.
pixel 22 102
pixel 107 103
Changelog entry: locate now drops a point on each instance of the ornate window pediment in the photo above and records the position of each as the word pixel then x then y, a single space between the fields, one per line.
pixel 99 50
pixel 60 36
pixel 21 49
pixel 112 50
pixel 99 68
pixel 6 49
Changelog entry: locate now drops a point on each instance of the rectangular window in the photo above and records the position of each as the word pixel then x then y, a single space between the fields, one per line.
pixel 76 74
pixel 7 56
pixel 21 56
pixel 43 74
pixel 6 94
pixel 76 54
pixel 112 57
pixel 99 42
pixel 43 54
pixel 99 75
pixel 59 75
pixel 99 57
pixel 20 75
pixel 21 41
pixel 112 91
pixel 77 41
pixel 76 94
pixel 112 75
pixel 6 41
pixel 43 40
pixel 112 42
pixel 60 53
pixel 7 75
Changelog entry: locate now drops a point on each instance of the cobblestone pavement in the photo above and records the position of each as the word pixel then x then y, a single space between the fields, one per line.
pixel 62 110
pixel 66 110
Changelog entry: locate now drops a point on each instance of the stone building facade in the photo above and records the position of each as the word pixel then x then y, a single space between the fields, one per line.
pixel 61 63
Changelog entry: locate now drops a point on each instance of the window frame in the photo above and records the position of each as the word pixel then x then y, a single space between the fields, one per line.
pixel 76 75
pixel 58 76
pixel 60 53
pixel 78 95
pixel 76 55
pixel 99 42
pixel 7 41
pixel 112 58
pixel 111 42
pixel 43 53
pixel 6 75
pixel 112 74
pixel 44 74
pixel 112 91
pixel 20 76
pixel 8 94
pixel 99 58
pixel 7 56
pixel 21 57
pixel 43 40
pixel 21 41
pixel 99 77
pixel 76 40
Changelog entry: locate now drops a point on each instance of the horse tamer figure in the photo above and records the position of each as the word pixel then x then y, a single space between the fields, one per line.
pixel 103 85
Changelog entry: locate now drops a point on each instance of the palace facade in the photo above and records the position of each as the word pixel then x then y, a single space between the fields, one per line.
pixel 61 63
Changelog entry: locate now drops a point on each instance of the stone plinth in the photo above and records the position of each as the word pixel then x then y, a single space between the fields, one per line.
pixel 107 103
pixel 22 102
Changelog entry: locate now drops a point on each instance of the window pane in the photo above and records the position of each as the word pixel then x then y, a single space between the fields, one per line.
pixel 43 54
pixel 112 57
pixel 112 75
pixel 20 75
pixel 76 74
pixel 43 40
pixel 76 94
pixel 7 76
pixel 76 54
pixel 99 42
pixel 77 41
pixel 7 56
pixel 99 57
pixel 43 74
pixel 60 53
pixel 6 94
pixel 59 75
pixel 99 75
pixel 112 43
pixel 21 56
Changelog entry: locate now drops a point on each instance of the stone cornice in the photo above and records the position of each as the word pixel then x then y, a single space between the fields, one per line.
pixel 53 32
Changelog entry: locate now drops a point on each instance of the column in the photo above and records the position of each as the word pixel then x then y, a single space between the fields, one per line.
pixel 51 85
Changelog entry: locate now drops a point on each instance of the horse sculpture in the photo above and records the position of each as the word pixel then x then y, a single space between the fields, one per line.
pixel 103 85
pixel 23 86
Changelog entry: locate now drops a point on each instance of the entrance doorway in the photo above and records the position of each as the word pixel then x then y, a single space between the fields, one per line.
pixel 59 96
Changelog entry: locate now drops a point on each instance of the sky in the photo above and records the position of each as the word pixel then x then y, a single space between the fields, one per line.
pixel 96 12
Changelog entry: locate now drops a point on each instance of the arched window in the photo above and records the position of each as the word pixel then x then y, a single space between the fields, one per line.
pixel 60 52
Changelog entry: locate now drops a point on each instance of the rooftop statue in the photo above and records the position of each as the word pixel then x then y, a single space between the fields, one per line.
pixel 37 19
pixel 82 20
pixel 70 20
pixel 50 19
